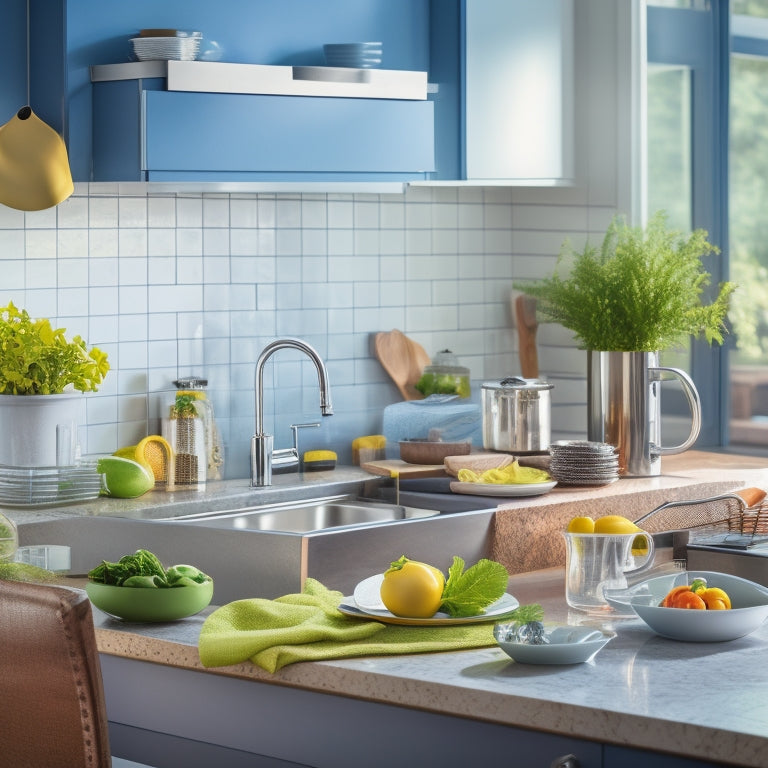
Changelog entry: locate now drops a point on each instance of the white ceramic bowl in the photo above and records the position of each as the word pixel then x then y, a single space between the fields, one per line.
pixel 749 607
pixel 567 644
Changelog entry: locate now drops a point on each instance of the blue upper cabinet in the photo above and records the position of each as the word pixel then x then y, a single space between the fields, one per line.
pixel 137 129
pixel 13 60
pixel 505 69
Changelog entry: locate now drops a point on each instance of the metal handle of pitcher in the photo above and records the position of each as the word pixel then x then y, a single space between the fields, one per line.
pixel 694 403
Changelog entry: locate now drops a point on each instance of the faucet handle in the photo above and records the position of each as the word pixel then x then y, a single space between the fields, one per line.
pixel 295 429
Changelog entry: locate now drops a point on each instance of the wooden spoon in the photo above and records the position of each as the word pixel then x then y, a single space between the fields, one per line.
pixel 403 359
pixel 527 325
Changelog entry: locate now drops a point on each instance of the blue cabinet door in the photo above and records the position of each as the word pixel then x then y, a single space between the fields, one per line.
pixel 267 135
pixel 13 58
pixel 156 135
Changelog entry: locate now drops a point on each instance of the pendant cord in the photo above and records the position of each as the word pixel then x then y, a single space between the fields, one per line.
pixel 29 69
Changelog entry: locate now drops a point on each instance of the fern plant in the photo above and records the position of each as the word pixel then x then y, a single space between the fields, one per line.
pixel 640 292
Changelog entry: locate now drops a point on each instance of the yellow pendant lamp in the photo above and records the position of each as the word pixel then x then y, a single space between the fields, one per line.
pixel 34 165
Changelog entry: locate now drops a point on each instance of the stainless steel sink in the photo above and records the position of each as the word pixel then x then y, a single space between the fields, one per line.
pixel 305 516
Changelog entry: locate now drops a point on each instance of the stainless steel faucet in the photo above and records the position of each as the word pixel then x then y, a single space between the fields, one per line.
pixel 261 443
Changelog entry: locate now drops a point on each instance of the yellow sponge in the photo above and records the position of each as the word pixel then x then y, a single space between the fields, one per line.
pixel 315 461
pixel 369 448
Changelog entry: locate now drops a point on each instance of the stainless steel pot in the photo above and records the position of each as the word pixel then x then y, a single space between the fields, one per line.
pixel 516 415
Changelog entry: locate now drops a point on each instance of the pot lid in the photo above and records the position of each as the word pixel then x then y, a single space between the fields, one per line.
pixel 515 383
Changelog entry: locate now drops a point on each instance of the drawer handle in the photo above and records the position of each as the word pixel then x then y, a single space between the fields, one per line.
pixel 566 761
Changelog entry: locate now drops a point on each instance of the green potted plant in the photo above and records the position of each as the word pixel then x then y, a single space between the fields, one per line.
pixel 640 293
pixel 42 377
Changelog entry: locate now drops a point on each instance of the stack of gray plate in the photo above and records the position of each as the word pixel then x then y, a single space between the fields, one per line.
pixel 581 462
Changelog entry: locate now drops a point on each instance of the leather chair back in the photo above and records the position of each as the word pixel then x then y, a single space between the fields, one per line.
pixel 52 710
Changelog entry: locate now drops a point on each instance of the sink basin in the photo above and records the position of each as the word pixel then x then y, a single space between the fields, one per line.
pixel 305 516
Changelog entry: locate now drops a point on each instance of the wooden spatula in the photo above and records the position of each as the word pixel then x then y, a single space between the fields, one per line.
pixel 527 325
pixel 403 359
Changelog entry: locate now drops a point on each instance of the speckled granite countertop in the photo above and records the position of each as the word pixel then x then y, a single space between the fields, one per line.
pixel 642 691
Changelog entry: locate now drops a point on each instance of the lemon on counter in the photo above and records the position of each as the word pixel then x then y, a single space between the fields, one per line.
pixel 153 453
pixel 581 525
pixel 615 524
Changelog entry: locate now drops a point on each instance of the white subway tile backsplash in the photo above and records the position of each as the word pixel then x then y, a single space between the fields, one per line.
pixel 102 243
pixel 133 327
pixel 72 273
pixel 103 212
pixel 314 242
pixel 12 243
pixel 288 213
pixel 216 212
pixel 13 277
pixel 132 212
pixel 40 273
pixel 243 214
pixel 161 212
pixel 72 213
pixel 179 284
pixel 173 298
pixel 40 244
pixel 189 212
pixel 11 218
pixel 45 219
pixel 72 243
pixel 132 298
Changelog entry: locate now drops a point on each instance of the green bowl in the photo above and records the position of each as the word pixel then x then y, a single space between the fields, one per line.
pixel 147 604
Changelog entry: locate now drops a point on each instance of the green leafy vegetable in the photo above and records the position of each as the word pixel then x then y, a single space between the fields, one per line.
pixel 141 563
pixel 150 582
pixel 36 359
pixel 144 569
pixel 641 292
pixel 177 574
pixel 468 593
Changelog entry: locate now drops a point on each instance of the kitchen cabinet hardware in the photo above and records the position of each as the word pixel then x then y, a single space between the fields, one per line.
pixel 566 761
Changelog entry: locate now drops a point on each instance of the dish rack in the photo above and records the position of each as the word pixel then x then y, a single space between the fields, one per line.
pixel 723 520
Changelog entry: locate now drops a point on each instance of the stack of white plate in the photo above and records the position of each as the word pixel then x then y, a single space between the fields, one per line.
pixel 358 55
pixel 185 46
pixel 48 486
pixel 582 462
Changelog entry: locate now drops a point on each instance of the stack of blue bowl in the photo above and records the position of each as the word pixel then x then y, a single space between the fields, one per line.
pixel 357 55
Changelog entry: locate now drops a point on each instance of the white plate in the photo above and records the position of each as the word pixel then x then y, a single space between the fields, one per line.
pixel 567 645
pixel 749 611
pixel 366 602
pixel 491 489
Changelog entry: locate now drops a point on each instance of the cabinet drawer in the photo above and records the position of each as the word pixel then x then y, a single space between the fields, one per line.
pixel 196 136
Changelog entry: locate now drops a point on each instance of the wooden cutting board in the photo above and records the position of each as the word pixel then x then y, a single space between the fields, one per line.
pixel 400 468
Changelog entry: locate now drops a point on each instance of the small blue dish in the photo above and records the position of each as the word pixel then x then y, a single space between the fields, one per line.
pixel 566 644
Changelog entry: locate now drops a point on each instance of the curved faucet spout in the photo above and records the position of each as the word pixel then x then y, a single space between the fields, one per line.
pixel 261 444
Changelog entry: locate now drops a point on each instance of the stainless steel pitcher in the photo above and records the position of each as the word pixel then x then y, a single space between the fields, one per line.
pixel 624 408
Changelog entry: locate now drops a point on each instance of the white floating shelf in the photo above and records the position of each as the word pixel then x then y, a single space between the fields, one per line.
pixel 224 77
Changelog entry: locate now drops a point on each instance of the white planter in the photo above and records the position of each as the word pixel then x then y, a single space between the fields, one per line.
pixel 29 426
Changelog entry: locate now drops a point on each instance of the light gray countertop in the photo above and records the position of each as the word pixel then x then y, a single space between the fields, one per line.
pixel 708 701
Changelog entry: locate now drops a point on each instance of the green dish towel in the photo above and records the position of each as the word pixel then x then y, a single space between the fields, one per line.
pixel 309 627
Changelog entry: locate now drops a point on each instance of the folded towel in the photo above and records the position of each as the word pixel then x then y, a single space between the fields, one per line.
pixel 309 627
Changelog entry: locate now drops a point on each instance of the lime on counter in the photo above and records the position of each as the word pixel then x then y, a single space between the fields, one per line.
pixel 124 478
